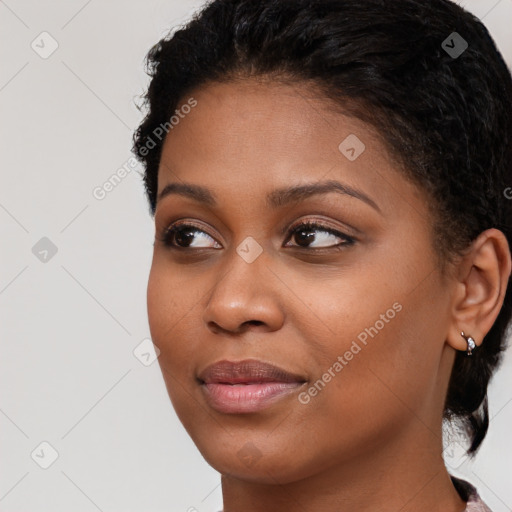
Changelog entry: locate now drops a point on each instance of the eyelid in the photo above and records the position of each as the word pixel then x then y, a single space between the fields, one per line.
pixel 172 226
pixel 347 240
pixel 321 223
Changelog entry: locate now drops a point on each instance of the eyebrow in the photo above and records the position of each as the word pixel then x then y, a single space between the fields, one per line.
pixel 275 199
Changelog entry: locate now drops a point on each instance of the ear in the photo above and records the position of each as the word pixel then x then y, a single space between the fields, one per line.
pixel 482 278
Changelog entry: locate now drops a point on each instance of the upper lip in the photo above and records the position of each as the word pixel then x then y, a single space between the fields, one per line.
pixel 246 371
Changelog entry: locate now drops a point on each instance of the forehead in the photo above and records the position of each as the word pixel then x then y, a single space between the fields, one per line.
pixel 251 137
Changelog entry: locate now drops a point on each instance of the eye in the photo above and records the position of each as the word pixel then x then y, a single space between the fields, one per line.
pixel 188 236
pixel 184 236
pixel 305 237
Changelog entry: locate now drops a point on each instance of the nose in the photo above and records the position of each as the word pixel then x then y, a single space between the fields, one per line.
pixel 246 297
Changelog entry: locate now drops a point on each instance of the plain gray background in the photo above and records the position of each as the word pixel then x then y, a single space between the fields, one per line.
pixel 71 319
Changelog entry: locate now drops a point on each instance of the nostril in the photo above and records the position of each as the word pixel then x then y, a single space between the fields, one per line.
pixel 217 329
pixel 253 322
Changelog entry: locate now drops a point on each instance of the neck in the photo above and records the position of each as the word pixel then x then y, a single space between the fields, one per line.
pixel 407 475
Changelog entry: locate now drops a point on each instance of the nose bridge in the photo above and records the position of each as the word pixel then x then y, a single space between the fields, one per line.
pixel 242 293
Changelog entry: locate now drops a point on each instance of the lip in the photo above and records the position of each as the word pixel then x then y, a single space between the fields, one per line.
pixel 246 386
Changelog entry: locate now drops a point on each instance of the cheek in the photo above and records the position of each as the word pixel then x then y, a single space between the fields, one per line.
pixel 161 305
pixel 393 378
pixel 170 295
pixel 170 305
pixel 374 358
pixel 377 389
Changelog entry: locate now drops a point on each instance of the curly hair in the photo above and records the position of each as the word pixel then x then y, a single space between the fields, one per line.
pixel 445 118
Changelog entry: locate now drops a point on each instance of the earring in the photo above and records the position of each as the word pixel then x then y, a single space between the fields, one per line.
pixel 470 341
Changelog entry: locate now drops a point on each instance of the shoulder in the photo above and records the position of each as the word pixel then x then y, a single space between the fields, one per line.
pixel 470 495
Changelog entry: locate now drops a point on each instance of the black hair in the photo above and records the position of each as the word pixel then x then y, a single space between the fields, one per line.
pixel 444 112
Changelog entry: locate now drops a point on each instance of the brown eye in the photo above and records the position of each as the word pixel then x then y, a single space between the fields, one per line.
pixel 307 235
pixel 187 236
pixel 325 237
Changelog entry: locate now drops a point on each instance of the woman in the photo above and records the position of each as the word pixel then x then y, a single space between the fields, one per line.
pixel 330 182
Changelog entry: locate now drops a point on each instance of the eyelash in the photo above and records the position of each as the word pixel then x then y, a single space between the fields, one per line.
pixel 167 236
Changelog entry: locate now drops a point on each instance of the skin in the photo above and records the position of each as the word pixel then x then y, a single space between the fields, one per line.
pixel 371 438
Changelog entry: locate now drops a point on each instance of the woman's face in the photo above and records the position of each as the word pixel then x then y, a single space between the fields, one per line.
pixel 352 306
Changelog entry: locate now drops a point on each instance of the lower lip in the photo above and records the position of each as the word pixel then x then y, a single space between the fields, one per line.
pixel 247 398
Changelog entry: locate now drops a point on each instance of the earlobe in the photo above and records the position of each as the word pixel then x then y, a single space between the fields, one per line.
pixel 483 278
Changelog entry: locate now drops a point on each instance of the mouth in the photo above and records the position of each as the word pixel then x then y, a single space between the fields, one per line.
pixel 246 386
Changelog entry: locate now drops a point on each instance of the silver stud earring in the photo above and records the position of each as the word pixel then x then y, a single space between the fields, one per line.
pixel 470 341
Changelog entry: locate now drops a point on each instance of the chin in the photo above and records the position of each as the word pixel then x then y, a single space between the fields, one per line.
pixel 254 461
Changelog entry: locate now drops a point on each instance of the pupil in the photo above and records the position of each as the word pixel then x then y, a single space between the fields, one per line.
pixel 183 235
pixel 308 236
